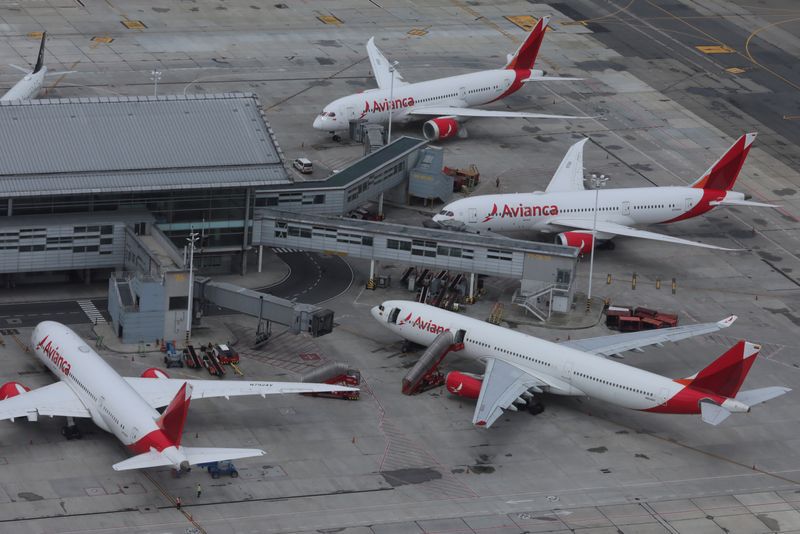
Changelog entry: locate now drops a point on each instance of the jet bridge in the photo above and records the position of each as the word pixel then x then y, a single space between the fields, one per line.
pixel 268 308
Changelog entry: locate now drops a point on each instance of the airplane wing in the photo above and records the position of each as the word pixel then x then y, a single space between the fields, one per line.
pixel 605 227
pixel 158 392
pixel 615 345
pixel 380 67
pixel 503 383
pixel 452 111
pixel 569 175
pixel 52 400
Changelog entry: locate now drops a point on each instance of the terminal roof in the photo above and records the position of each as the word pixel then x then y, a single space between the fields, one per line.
pixel 111 144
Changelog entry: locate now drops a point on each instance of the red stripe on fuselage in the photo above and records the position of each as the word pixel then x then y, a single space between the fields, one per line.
pixel 519 75
pixel 701 207
pixel 154 440
pixel 686 401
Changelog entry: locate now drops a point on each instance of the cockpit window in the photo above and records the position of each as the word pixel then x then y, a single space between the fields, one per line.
pixel 331 114
pixel 447 213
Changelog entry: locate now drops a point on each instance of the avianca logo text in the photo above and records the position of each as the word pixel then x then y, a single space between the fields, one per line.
pixel 55 356
pixel 378 107
pixel 521 211
pixel 422 324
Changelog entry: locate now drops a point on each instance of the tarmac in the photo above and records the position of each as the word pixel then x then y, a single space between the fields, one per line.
pixel 390 463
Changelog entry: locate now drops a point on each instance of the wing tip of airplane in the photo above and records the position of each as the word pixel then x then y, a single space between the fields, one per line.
pixel 726 322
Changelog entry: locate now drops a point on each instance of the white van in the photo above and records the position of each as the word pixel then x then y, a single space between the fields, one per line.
pixel 303 165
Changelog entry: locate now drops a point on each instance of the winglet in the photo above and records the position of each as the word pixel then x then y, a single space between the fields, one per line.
pixel 726 322
pixel 525 56
pixel 40 59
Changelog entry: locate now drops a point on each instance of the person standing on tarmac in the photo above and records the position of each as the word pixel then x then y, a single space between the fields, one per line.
pixel 199 490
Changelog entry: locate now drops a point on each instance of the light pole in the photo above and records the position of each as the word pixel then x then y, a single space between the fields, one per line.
pixel 192 239
pixel 392 65
pixel 155 75
pixel 597 182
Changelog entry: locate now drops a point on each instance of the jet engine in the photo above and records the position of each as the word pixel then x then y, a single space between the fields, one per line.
pixel 463 385
pixel 581 240
pixel 12 389
pixel 154 372
pixel 440 128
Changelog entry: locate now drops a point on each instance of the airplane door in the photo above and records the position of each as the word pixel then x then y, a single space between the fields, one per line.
pixel 689 204
pixel 626 208
pixel 472 215
pixel 393 315
pixel 351 113
pixel 462 93
pixel 566 372
pixel 662 397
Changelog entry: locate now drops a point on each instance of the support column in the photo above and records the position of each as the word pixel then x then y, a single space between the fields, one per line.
pixel 380 207
pixel 371 281
pixel 245 230
pixel 471 296
pixel 260 256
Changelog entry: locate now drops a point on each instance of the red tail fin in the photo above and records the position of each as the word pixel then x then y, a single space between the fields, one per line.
pixel 525 56
pixel 724 376
pixel 174 417
pixel 722 175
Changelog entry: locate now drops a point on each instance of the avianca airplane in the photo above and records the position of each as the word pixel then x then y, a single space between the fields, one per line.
pixel 450 100
pixel 33 81
pixel 126 407
pixel 520 367
pixel 566 208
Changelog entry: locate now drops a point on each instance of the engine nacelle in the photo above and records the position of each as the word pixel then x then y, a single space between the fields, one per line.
pixel 463 385
pixel 581 240
pixel 441 128
pixel 154 372
pixel 12 389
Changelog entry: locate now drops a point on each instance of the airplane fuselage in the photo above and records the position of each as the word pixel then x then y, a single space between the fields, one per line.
pixel 114 405
pixel 28 87
pixel 568 371
pixel 625 206
pixel 465 90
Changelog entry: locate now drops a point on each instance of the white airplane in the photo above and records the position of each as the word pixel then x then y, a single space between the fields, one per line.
pixel 125 406
pixel 520 367
pixel 30 86
pixel 568 209
pixel 450 100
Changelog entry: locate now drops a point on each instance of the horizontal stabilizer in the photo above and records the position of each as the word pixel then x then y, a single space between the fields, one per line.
pixel 201 455
pixel 193 455
pixel 752 397
pixel 143 461
pixel 734 202
pixel 712 413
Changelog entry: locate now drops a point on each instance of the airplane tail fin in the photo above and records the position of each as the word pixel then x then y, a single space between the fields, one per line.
pixel 723 173
pixel 725 375
pixel 190 455
pixel 525 56
pixel 174 417
pixel 40 59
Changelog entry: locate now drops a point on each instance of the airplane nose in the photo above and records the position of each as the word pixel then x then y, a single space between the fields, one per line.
pixel 318 122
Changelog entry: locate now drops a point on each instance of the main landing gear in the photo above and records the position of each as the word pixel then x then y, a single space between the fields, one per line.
pixel 71 430
pixel 336 138
pixel 535 406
